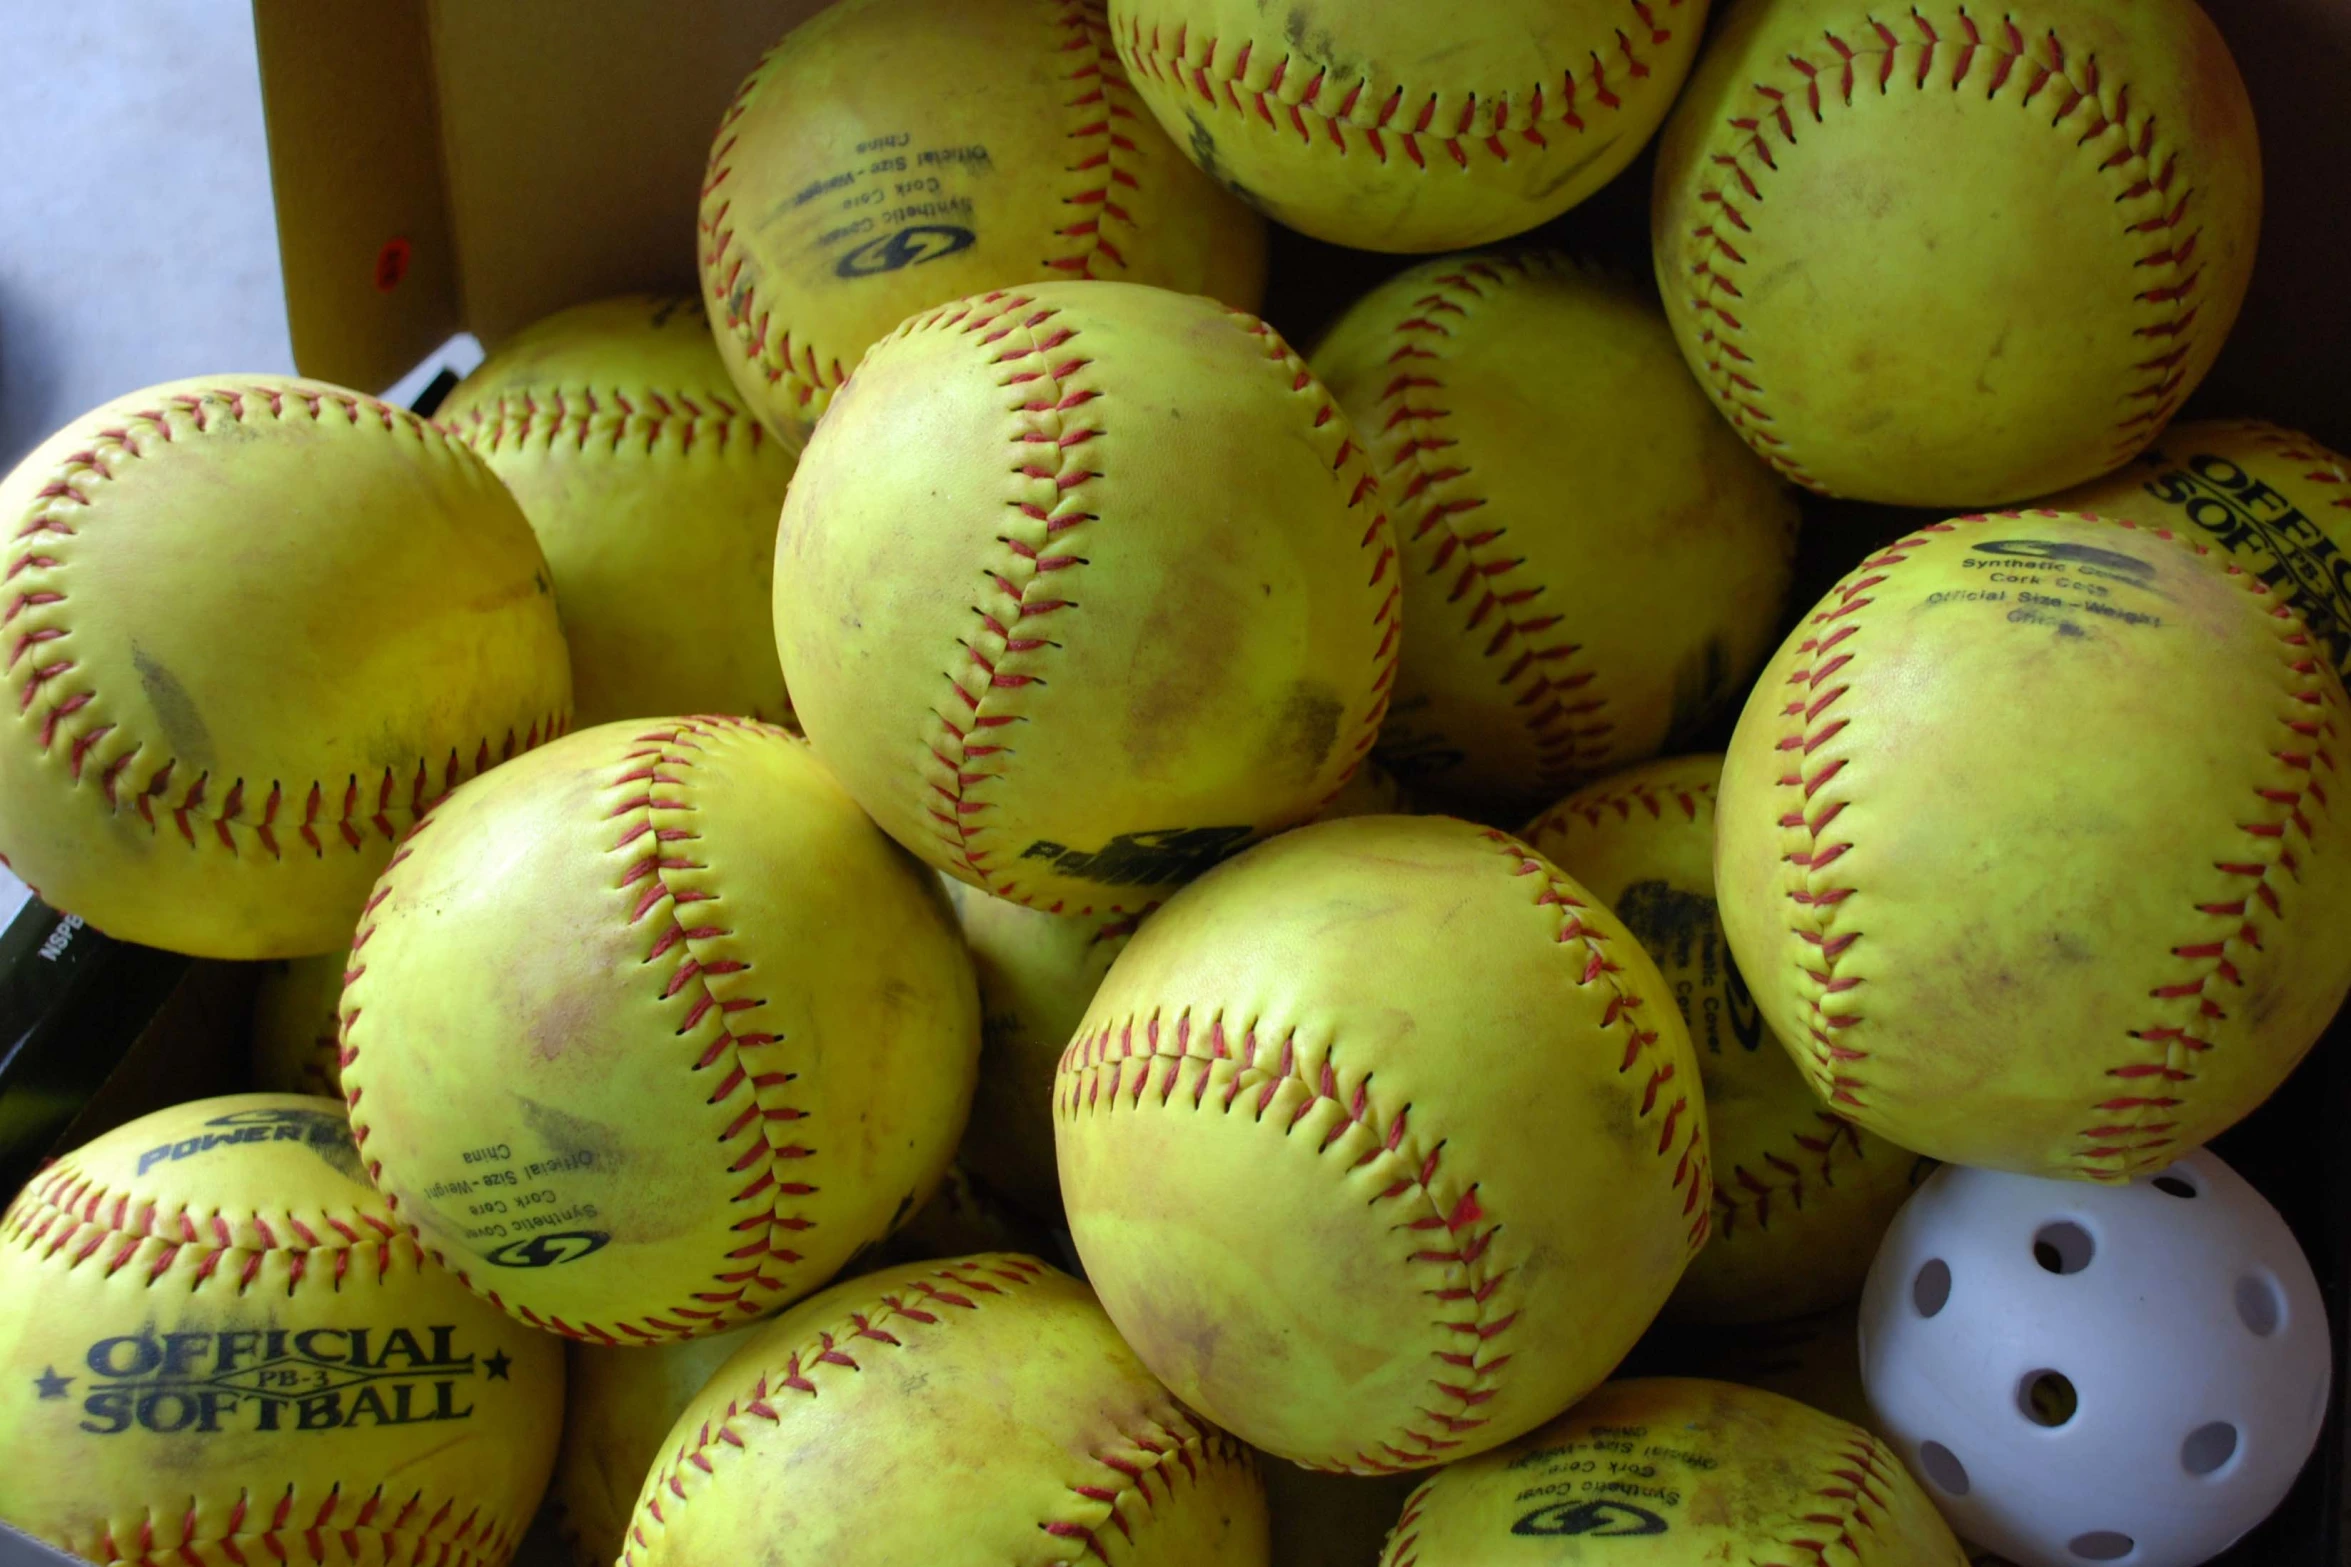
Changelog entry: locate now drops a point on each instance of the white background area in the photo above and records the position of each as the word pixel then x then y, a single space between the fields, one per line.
pixel 137 239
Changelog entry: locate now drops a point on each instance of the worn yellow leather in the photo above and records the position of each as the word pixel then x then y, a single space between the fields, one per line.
pixel 1944 256
pixel 1382 1143
pixel 650 1037
pixel 2275 500
pixel 618 1406
pixel 890 155
pixel 1414 128
pixel 296 1021
pixel 219 1349
pixel 654 493
pixel 2025 844
pixel 254 624
pixel 1666 1472
pixel 979 1413
pixel 1801 1195
pixel 1081 587
pixel 1594 566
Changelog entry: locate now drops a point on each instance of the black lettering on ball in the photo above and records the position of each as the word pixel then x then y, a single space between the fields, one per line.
pixel 1598 1520
pixel 545 1251
pixel 906 248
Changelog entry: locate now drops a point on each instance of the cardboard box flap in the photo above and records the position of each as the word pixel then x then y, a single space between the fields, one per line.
pixel 443 166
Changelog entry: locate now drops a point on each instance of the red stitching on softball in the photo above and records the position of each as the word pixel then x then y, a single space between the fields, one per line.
pixel 732 299
pixel 64 1208
pixel 1404 1540
pixel 1814 904
pixel 1565 722
pixel 320 1536
pixel 931 1303
pixel 1055 456
pixel 1484 122
pixel 1104 147
pixel 1714 242
pixel 1740 1191
pixel 37 604
pixel 645 417
pixel 1853 1495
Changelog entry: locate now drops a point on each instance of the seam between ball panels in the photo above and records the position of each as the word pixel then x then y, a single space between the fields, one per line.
pixel 2154 202
pixel 645 885
pixel 473 1541
pixel 1744 1191
pixel 1103 101
pixel 63 1206
pixel 1096 1504
pixel 1489 125
pixel 617 420
pixel 2135 1123
pixel 1566 725
pixel 36 622
pixel 1053 458
pixel 734 304
pixel 1850 1497
pixel 1403 1544
pixel 1093 1074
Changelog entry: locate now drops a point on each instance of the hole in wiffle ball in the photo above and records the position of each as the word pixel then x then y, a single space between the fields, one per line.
pixel 2259 1305
pixel 2047 1398
pixel 1931 1290
pixel 2101 1545
pixel 2172 1186
pixel 1943 1468
pixel 2064 1247
pixel 2208 1447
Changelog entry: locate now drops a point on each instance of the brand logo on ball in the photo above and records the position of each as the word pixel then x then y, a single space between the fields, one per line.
pixel 323 1132
pixel 1143 859
pixel 1682 931
pixel 2247 517
pixel 2090 559
pixel 545 1251
pixel 1595 1520
pixel 906 248
pixel 272 1379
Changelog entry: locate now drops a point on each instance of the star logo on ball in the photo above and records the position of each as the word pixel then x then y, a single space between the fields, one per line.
pixel 495 1366
pixel 50 1384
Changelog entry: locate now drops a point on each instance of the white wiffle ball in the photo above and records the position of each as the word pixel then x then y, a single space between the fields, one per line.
pixel 2123 1374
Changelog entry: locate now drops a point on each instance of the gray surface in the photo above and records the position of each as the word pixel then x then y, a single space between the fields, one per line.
pixel 137 239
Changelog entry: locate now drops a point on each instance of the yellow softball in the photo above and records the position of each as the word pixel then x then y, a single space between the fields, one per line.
pixel 618 1406
pixel 2275 500
pixel 1403 127
pixel 1801 1195
pixel 889 155
pixel 654 494
pixel 1382 1143
pixel 2025 844
pixel 1666 1472
pixel 651 1035
pixel 1593 565
pixel 1948 257
pixel 1036 1435
pixel 218 1347
pixel 297 1026
pixel 255 624
pixel 1082 587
